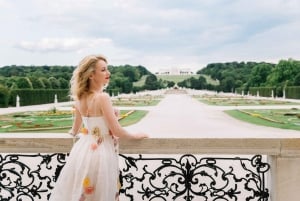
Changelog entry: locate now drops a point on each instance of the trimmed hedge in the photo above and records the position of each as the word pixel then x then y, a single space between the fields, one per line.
pixel 263 91
pixel 38 96
pixel 292 92
pixel 4 96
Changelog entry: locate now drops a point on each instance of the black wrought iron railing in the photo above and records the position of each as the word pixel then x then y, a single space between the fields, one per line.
pixel 155 169
pixel 192 178
pixel 186 177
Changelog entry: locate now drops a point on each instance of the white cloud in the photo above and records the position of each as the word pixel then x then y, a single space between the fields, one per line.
pixel 62 44
pixel 152 33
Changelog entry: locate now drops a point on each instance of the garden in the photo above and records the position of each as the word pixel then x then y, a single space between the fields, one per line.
pixel 60 120
pixel 287 118
pixel 236 100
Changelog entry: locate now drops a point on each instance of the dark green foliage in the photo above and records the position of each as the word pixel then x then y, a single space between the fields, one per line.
pixel 39 84
pixel 242 76
pixel 152 83
pixel 38 96
pixel 293 92
pixel 4 96
pixel 194 83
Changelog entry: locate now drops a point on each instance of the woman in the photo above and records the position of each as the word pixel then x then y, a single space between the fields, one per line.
pixel 91 172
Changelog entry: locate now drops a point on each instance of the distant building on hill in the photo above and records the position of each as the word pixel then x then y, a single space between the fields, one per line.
pixel 175 71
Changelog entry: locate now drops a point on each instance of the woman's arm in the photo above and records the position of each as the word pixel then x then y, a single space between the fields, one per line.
pixel 112 120
pixel 77 122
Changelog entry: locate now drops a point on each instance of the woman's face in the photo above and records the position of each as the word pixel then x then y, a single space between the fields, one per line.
pixel 101 75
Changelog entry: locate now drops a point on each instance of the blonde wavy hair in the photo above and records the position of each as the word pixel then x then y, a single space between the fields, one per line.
pixel 80 78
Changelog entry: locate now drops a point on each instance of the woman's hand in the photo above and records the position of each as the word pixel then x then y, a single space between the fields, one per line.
pixel 139 136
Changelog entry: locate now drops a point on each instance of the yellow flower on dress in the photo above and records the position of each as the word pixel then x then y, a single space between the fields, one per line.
pixel 88 189
pixel 84 131
pixel 86 182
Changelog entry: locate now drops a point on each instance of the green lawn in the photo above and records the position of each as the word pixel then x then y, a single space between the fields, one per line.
pixel 150 101
pixel 283 118
pixel 239 101
pixel 36 121
pixel 133 118
pixel 61 121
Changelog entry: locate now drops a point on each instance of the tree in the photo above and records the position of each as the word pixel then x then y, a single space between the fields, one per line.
pixel 55 84
pixel 64 84
pixel 284 72
pixel 202 82
pixel 24 83
pixel 37 83
pixel 151 82
pixel 45 82
pixel 259 74
pixel 297 80
pixel 170 84
pixel 227 84
pixel 131 73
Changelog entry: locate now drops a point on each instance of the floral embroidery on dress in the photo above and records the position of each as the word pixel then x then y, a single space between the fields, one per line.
pixel 94 146
pixel 84 131
pixel 88 189
pixel 97 134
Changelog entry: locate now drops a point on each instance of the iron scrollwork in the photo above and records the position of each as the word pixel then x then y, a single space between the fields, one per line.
pixel 29 177
pixel 190 179
pixel 32 177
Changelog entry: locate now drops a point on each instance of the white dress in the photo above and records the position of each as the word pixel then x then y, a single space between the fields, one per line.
pixel 91 172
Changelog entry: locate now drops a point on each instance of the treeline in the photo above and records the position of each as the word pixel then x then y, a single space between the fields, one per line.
pixel 39 84
pixel 247 76
pixel 42 82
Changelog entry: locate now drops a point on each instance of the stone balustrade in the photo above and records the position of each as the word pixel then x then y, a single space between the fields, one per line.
pixel 283 153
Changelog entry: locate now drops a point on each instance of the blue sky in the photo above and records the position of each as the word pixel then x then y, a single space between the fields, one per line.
pixel 154 33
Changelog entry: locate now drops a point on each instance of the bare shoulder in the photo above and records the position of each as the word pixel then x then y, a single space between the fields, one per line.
pixel 103 97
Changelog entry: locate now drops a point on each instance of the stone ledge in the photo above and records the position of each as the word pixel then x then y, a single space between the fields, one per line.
pixel 284 147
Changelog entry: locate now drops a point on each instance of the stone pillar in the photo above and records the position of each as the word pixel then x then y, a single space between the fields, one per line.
pixel 285 178
pixel 17 101
pixel 288 179
pixel 272 94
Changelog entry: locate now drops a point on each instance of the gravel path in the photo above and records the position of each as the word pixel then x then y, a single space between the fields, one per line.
pixel 180 116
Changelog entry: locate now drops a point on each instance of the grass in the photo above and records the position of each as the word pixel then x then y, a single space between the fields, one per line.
pixel 141 82
pixel 278 118
pixel 284 119
pixel 34 123
pixel 239 101
pixel 136 102
pixel 61 121
pixel 133 118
